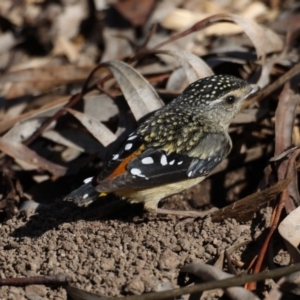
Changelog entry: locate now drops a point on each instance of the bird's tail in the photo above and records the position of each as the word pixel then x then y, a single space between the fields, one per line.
pixel 84 195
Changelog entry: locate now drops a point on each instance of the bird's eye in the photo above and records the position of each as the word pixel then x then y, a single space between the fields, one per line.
pixel 230 99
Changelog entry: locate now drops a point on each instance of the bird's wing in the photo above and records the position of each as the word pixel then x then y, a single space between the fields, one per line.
pixel 136 166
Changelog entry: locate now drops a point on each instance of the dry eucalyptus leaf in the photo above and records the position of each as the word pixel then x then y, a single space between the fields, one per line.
pixel 47 110
pixel 289 229
pixel 37 80
pixel 284 122
pixel 116 43
pixel 23 130
pixel 139 94
pixel 19 151
pixel 209 273
pixel 194 67
pixel 96 128
pixel 177 80
pixel 243 209
pixel 77 140
pixel 264 40
pixel 7 41
pixel 100 107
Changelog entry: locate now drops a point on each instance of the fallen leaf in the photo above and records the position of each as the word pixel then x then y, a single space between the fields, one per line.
pixel 139 94
pixel 95 127
pixel 289 230
pixel 243 209
pixel 194 67
pixel 19 151
pixel 211 273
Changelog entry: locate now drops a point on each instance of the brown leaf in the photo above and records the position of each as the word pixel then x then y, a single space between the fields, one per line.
pixel 21 152
pixel 37 80
pixel 211 273
pixel 284 123
pixel 194 67
pixel 243 209
pixel 135 11
pixel 264 41
pixel 290 231
pixel 96 128
pixel 46 110
pixel 139 94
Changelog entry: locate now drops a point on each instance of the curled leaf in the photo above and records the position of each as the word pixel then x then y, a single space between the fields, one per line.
pixel 194 67
pixel 139 94
pixel 211 273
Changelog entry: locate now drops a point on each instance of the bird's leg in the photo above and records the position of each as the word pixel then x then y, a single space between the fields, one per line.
pixel 187 213
pixel 151 207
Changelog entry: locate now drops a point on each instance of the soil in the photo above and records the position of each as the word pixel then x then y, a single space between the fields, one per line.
pixel 130 252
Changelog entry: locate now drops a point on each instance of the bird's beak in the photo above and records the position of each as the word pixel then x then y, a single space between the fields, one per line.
pixel 254 89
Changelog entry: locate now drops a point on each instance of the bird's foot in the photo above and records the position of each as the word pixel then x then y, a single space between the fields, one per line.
pixel 185 213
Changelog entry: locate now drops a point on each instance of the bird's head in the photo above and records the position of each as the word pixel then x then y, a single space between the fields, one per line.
pixel 217 98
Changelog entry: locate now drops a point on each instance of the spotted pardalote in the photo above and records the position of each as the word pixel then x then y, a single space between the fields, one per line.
pixel 177 146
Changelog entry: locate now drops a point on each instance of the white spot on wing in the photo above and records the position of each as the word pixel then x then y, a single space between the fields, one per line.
pixel 147 160
pixel 85 196
pixel 172 162
pixel 88 180
pixel 190 173
pixel 137 172
pixel 115 157
pixel 131 137
pixel 128 146
pixel 180 162
pixel 163 160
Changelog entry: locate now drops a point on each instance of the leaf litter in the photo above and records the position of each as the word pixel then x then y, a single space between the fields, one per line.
pixel 57 129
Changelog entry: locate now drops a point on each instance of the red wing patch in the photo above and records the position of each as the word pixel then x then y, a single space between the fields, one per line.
pixel 121 168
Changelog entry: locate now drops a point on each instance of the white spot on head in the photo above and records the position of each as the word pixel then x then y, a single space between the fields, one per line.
pixel 85 196
pixel 115 157
pixel 163 160
pixel 88 180
pixel 131 137
pixel 147 160
pixel 172 162
pixel 190 173
pixel 128 146
pixel 180 162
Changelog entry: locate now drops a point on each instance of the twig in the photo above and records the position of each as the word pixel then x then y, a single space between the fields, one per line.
pixel 273 86
pixel 225 283
pixel 59 279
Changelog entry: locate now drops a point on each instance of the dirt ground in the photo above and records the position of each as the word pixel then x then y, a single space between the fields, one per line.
pixel 130 252
pixel 48 51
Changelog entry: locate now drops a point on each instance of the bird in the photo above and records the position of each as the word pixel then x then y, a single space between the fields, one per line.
pixel 177 146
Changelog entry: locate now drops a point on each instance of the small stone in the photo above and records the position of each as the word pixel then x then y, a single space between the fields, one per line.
pixel 210 249
pixel 108 264
pixel 135 287
pixel 168 260
pixel 35 292
pixel 185 244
